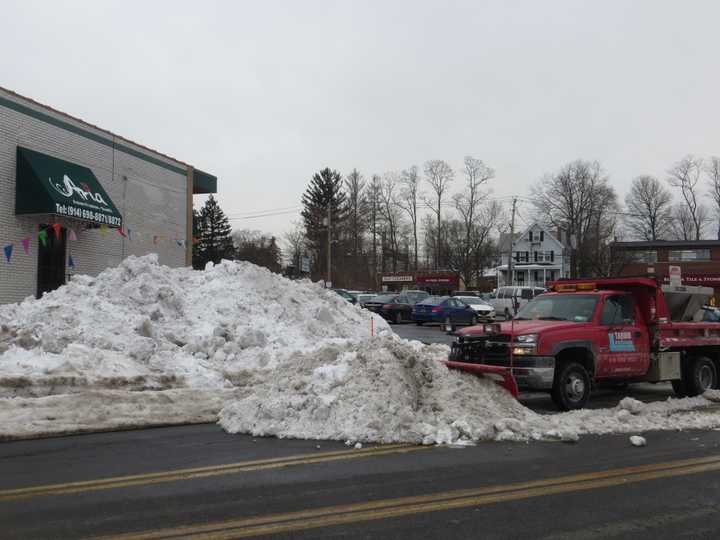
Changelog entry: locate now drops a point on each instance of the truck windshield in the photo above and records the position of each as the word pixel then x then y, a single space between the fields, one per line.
pixel 561 307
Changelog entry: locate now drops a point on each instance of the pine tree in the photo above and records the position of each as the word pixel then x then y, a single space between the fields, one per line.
pixel 213 235
pixel 324 192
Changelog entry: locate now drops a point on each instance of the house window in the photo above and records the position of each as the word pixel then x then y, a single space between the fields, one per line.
pixel 530 236
pixel 522 256
pixel 690 255
pixel 542 236
pixel 549 256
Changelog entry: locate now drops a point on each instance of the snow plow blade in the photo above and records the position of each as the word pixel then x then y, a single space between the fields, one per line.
pixel 499 375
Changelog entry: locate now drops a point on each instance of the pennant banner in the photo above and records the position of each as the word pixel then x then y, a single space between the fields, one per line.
pixel 26 245
pixel 72 236
pixel 42 236
pixel 8 251
pixel 57 229
pixel 71 262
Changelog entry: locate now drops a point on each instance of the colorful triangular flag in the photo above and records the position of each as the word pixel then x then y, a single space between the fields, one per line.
pixel 42 236
pixel 57 229
pixel 26 244
pixel 72 236
pixel 121 232
pixel 8 251
pixel 71 262
pixel 103 229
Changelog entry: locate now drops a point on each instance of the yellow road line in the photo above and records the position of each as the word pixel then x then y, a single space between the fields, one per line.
pixel 202 472
pixel 388 508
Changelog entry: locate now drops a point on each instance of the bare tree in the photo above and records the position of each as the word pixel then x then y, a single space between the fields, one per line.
pixel 578 199
pixel 713 173
pixel 357 210
pixel 682 222
pixel 391 215
pixel 375 203
pixel 468 205
pixel 685 174
pixel 439 175
pixel 649 207
pixel 294 241
pixel 409 196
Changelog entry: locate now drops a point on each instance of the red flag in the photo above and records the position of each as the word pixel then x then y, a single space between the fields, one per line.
pixel 57 228
pixel 121 232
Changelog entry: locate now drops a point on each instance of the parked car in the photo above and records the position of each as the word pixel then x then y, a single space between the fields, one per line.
pixel 363 298
pixel 346 295
pixel 485 312
pixel 416 296
pixel 392 307
pixel 446 310
pixel 508 300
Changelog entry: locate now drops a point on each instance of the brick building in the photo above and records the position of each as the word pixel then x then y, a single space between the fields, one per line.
pixel 699 260
pixel 77 198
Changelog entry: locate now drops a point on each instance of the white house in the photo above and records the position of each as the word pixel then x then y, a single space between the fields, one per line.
pixel 538 257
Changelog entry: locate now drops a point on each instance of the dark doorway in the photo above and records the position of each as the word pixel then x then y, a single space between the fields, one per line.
pixel 51 260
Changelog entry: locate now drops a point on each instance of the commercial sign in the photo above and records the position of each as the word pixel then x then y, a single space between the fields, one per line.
pixel 675 273
pixel 437 280
pixel 49 185
pixel 703 280
pixel 398 279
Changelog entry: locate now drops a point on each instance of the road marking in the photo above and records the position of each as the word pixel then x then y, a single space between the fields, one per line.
pixel 390 508
pixel 202 472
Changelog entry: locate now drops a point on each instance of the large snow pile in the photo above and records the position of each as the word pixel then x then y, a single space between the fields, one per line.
pixel 145 327
pixel 390 390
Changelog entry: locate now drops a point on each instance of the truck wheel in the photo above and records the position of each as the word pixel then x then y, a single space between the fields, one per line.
pixel 678 386
pixel 701 375
pixel 571 388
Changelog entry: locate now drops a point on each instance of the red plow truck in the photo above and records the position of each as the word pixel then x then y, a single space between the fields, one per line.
pixel 589 332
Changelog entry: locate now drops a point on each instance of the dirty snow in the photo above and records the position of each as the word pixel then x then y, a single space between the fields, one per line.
pixel 143 328
pixel 143 344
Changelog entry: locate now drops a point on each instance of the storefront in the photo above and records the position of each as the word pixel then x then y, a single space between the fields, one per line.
pixel 78 199
pixel 440 283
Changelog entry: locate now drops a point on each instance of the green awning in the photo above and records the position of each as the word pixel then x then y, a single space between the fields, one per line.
pixel 48 185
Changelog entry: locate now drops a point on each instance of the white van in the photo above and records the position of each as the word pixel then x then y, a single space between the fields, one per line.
pixel 508 300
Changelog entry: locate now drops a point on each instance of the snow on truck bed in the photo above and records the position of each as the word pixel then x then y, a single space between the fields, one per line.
pixel 143 344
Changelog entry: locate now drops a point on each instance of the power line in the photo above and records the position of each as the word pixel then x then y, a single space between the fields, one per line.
pixel 269 214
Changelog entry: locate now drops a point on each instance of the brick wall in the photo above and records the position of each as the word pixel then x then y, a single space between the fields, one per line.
pixel 151 198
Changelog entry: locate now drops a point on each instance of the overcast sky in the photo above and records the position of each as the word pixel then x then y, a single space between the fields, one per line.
pixel 262 94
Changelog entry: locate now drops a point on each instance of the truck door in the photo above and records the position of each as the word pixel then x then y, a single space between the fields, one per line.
pixel 625 342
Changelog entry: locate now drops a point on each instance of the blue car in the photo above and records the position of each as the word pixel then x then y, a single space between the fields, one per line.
pixel 444 310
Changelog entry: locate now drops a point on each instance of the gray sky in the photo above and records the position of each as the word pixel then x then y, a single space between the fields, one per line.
pixel 263 94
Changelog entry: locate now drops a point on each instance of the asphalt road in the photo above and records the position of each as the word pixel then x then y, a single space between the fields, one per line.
pixel 540 401
pixel 197 482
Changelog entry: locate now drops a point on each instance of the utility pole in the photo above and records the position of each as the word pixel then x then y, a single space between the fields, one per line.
pixel 329 244
pixel 512 241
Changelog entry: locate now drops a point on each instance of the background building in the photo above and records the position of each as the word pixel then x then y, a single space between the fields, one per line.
pixel 538 257
pixel 699 260
pixel 77 198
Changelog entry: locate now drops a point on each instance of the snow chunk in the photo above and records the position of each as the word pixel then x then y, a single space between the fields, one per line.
pixel 637 440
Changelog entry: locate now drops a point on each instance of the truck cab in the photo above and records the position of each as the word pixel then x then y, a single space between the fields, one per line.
pixel 584 332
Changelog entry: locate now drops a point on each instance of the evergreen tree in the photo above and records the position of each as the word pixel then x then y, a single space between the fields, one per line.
pixel 324 192
pixel 213 241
